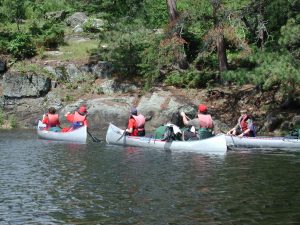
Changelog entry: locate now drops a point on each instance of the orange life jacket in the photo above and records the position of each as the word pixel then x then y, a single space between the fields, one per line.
pixel 140 122
pixel 79 118
pixel 205 121
pixel 139 126
pixel 53 120
pixel 243 122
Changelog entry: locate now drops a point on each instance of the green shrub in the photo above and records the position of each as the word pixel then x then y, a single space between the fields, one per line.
pixel 3 46
pixel 273 69
pixel 48 34
pixel 290 36
pixel 24 67
pixel 91 26
pixel 53 5
pixel 53 36
pixel 124 47
pixel 12 121
pixel 191 78
pixel 1 117
pixel 22 46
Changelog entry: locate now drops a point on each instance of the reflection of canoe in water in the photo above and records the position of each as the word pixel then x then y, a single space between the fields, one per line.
pixel 78 135
pixel 280 143
pixel 215 145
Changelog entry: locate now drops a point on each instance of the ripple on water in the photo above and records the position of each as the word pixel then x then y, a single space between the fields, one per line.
pixel 45 182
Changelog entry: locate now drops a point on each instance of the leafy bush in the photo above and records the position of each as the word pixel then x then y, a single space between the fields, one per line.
pixel 5 37
pixel 1 117
pixel 12 121
pixel 93 25
pixel 53 5
pixel 3 46
pixel 124 48
pixel 290 36
pixel 53 36
pixel 22 46
pixel 50 34
pixel 274 69
pixel 191 78
pixel 149 65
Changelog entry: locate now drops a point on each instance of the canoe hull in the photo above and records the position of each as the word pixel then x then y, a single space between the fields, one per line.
pixel 214 145
pixel 279 143
pixel 79 135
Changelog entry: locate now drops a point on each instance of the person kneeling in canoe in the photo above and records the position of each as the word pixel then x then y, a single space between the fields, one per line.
pixel 78 118
pixel 51 119
pixel 136 124
pixel 203 124
pixel 244 126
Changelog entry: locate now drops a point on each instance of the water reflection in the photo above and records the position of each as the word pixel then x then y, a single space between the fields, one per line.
pixel 45 182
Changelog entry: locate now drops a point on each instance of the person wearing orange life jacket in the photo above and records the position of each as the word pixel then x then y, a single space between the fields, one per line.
pixel 51 119
pixel 244 126
pixel 203 123
pixel 136 124
pixel 78 118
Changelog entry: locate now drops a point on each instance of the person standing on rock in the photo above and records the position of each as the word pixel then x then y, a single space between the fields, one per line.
pixel 244 126
pixel 78 118
pixel 51 119
pixel 203 124
pixel 136 124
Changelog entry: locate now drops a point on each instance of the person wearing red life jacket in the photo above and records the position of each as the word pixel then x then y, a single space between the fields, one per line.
pixel 51 119
pixel 203 123
pixel 136 124
pixel 244 126
pixel 78 118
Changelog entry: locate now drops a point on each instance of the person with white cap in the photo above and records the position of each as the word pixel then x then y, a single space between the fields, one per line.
pixel 244 126
pixel 136 124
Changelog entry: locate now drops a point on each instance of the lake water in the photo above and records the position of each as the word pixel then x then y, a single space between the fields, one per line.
pixel 45 182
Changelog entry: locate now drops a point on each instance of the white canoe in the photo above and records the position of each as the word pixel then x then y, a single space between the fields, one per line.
pixel 78 135
pixel 213 145
pixel 280 143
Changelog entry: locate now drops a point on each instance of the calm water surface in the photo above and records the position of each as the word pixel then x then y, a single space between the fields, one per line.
pixel 45 182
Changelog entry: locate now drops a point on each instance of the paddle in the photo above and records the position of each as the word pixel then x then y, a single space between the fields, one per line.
pixel 94 138
pixel 122 135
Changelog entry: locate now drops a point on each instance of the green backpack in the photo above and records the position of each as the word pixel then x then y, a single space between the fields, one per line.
pixel 204 133
pixel 294 134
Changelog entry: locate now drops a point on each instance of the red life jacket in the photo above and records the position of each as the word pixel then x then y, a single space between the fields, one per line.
pixel 79 118
pixel 139 123
pixel 243 122
pixel 205 121
pixel 53 120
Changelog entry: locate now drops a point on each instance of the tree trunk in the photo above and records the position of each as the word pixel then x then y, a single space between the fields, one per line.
pixel 173 14
pixel 221 51
pixel 220 42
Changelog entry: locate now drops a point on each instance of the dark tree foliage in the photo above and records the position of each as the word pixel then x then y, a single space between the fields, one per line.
pixel 187 43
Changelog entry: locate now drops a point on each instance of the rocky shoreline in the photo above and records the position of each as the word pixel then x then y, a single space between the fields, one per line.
pixel 28 95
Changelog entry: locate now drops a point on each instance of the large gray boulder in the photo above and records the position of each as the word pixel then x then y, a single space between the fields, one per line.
pixel 110 87
pixel 73 73
pixel 158 106
pixel 76 19
pixel 102 69
pixel 93 25
pixel 272 122
pixel 296 121
pixel 17 85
